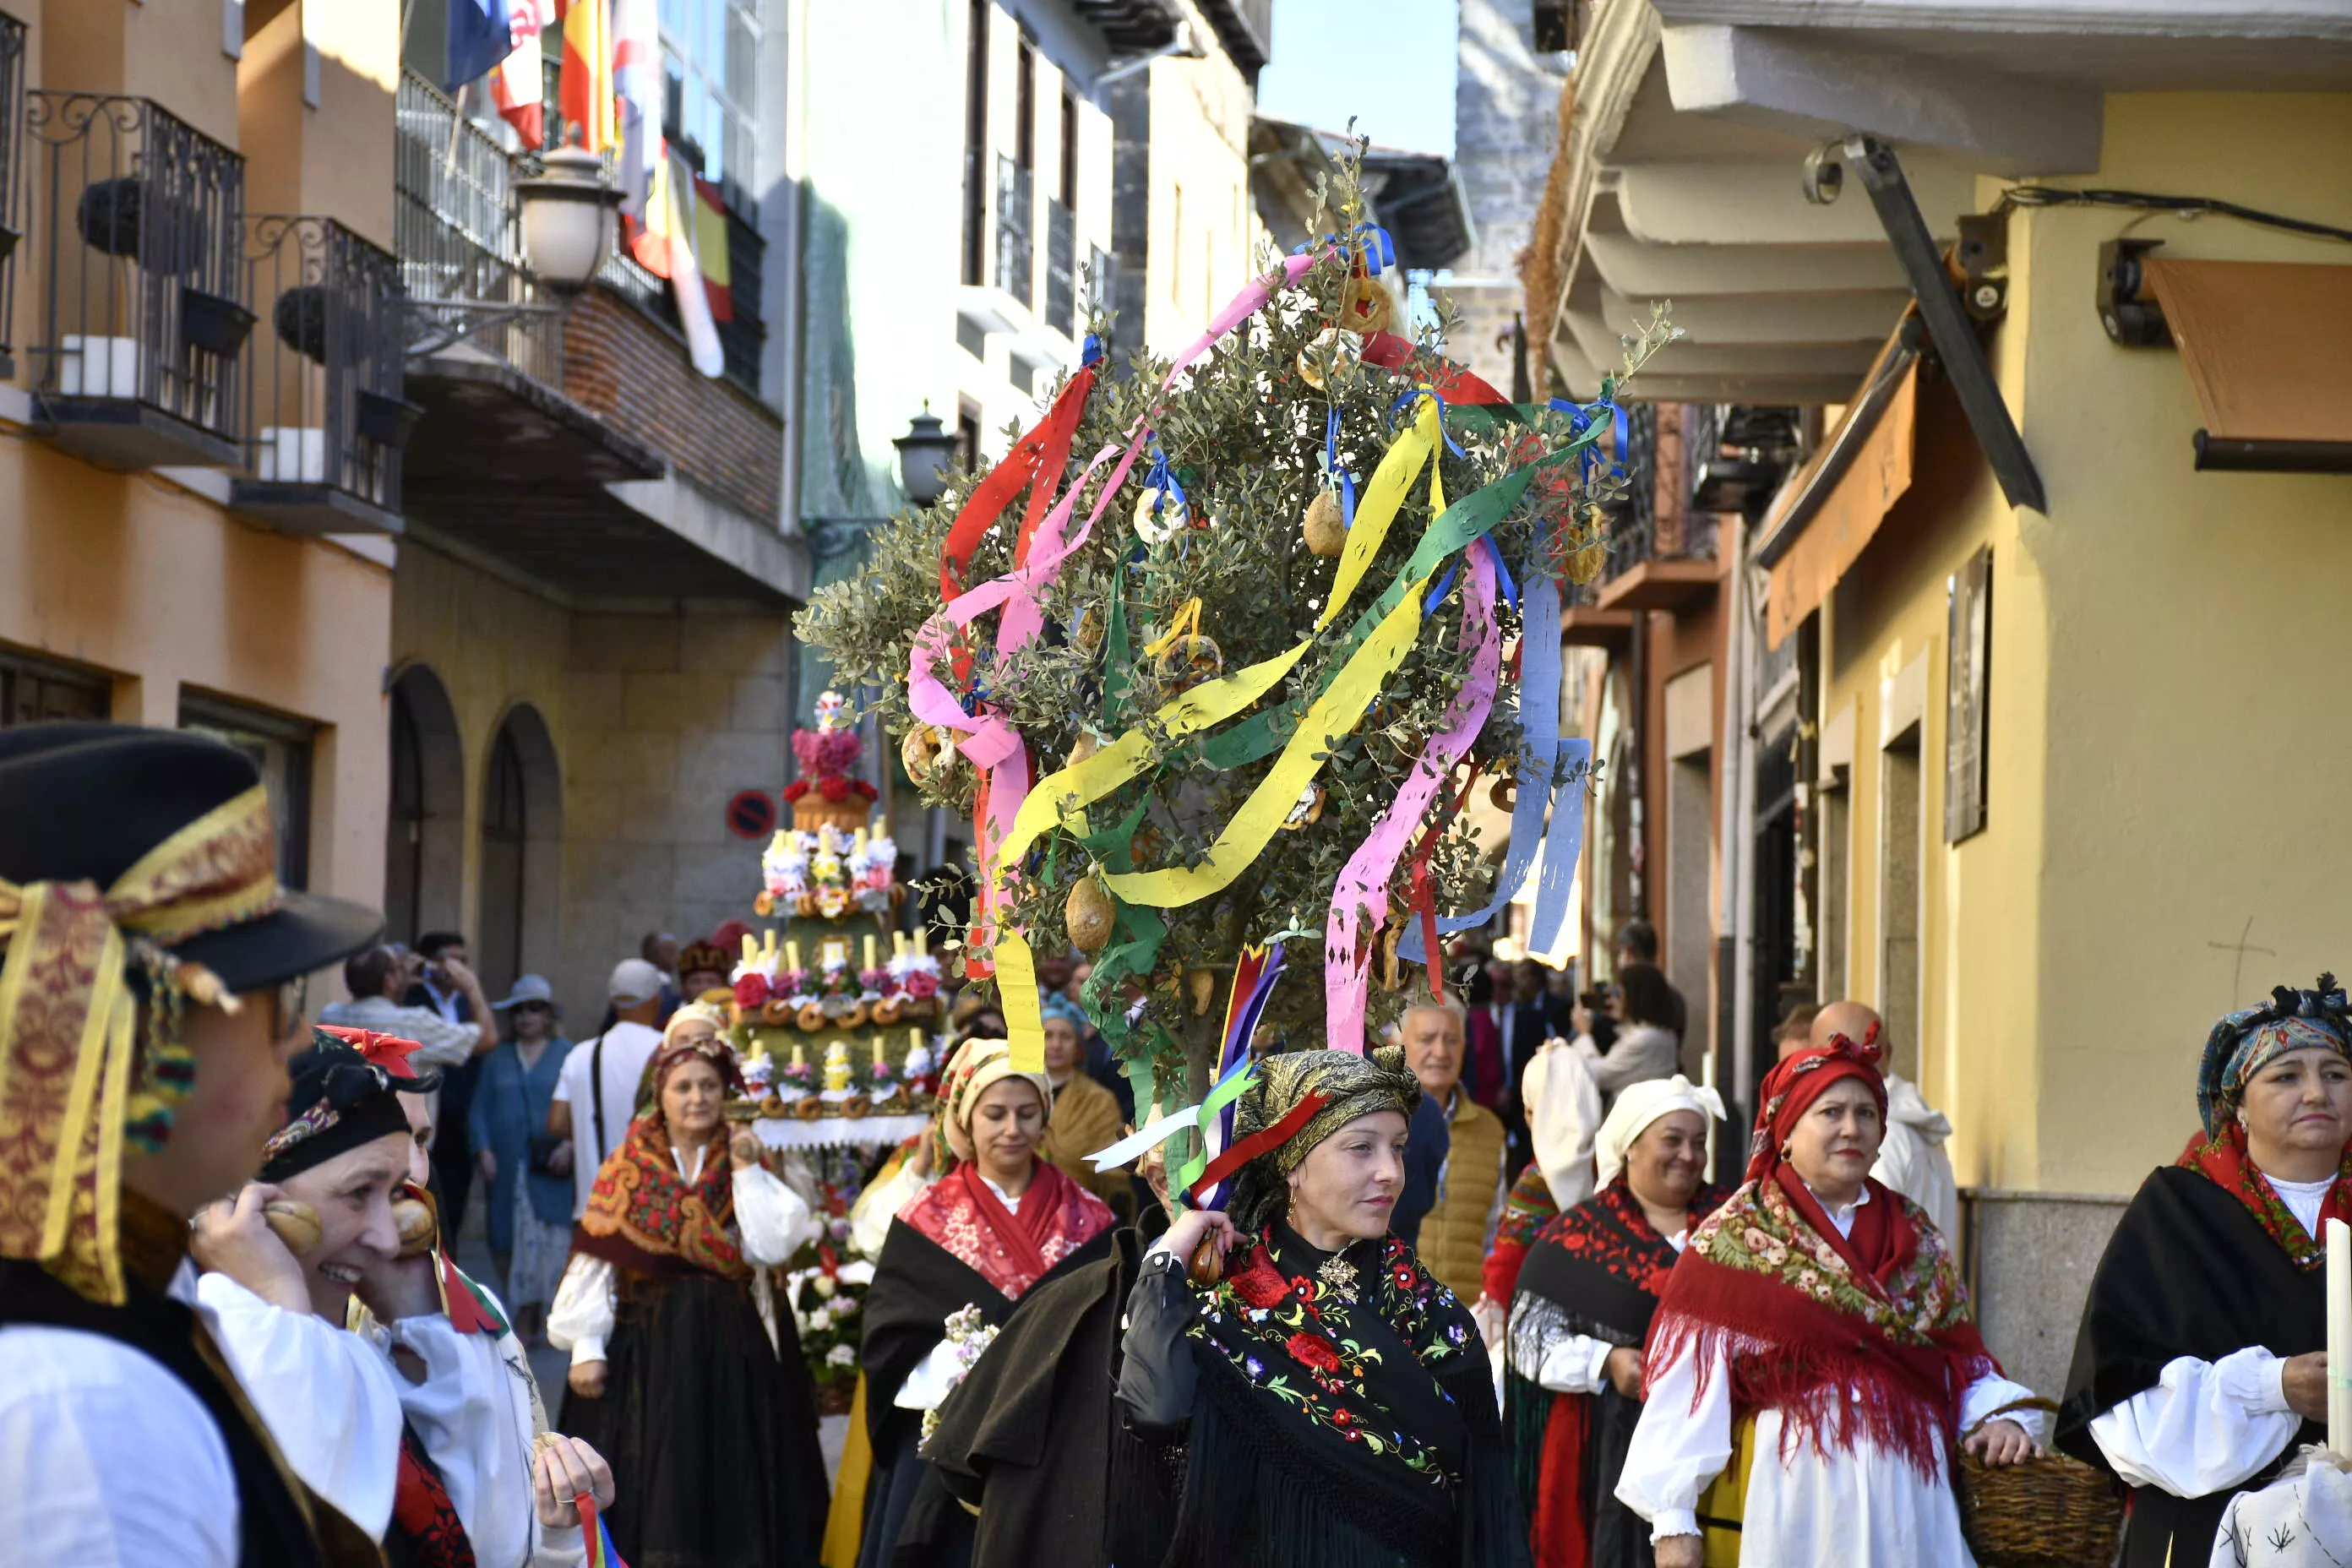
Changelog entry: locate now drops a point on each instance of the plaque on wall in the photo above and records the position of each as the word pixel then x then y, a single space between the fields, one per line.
pixel 1966 687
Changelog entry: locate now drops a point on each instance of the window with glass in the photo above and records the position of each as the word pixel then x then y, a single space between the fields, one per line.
pixel 280 748
pixel 36 691
pixel 710 60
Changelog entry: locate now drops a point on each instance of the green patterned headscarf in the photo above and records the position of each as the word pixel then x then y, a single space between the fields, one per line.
pixel 2245 1042
pixel 1351 1086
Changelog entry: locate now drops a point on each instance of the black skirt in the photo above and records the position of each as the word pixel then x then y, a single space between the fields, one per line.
pixel 711 1432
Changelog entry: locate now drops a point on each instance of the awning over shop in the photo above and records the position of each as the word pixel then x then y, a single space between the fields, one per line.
pixel 2265 344
pixel 1825 516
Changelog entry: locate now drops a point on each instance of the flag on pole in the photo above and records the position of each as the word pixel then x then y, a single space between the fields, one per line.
pixel 587 89
pixel 637 84
pixel 516 86
pixel 479 38
pixel 711 248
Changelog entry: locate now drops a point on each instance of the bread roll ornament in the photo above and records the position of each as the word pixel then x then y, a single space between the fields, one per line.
pixel 1089 916
pixel 1325 525
pixel 414 1219
pixel 295 1223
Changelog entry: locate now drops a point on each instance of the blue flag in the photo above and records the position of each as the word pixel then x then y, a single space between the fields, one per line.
pixel 479 38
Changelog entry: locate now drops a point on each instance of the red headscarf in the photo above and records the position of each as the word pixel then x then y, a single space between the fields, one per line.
pixel 1883 1233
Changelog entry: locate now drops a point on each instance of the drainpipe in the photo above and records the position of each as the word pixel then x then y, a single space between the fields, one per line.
pixel 1740 832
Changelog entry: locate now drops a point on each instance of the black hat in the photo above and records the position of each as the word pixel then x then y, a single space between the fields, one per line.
pixel 84 802
pixel 340 1096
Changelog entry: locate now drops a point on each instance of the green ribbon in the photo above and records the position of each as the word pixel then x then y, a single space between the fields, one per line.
pixel 1196 1161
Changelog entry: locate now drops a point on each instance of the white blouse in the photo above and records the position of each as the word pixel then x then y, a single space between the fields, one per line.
pixel 774 1221
pixel 1860 1504
pixel 1579 1364
pixel 2209 1426
pixel 334 1401
pixel 936 1376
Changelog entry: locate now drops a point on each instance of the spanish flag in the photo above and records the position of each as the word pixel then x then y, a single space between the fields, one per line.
pixel 711 248
pixel 665 246
pixel 587 91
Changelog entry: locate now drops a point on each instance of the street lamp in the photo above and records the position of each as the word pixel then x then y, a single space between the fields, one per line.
pixel 925 452
pixel 569 226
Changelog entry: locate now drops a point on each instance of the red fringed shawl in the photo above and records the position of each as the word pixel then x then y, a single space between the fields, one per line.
pixel 1011 1249
pixel 1867 1337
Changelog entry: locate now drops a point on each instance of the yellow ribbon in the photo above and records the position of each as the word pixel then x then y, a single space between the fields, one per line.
pixel 69 1027
pixel 1185 621
pixel 1061 795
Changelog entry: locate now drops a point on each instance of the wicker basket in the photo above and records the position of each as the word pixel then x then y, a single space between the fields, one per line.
pixel 2053 1513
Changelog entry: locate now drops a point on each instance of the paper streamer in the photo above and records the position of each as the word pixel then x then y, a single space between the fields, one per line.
pixel 1539 675
pixel 1360 901
pixel 1563 844
pixel 1135 1145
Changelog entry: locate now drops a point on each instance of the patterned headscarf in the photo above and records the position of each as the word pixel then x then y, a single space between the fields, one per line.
pixel 675 1053
pixel 978 1065
pixel 1794 1086
pixel 696 1012
pixel 2246 1041
pixel 1322 1089
pixel 342 1092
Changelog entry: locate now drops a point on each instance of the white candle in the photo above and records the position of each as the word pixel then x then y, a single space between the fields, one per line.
pixel 869 950
pixel 2338 1239
pixel 791 955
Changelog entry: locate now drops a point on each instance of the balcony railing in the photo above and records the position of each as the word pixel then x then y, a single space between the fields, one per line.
pixel 1634 524
pixel 1102 291
pixel 454 229
pixel 328 420
pixel 1015 272
pixel 142 314
pixel 1737 455
pixel 1061 268
pixel 12 222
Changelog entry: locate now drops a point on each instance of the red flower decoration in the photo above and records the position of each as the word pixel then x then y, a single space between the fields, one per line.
pixel 795 789
pixel 835 789
pixel 1308 1351
pixel 752 990
pixel 386 1051
pixel 1261 1285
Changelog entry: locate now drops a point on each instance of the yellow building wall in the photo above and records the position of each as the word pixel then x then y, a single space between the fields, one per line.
pixel 2165 649
pixel 1204 230
pixel 492 646
pixel 159 588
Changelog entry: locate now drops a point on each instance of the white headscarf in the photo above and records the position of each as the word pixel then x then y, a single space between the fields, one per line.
pixel 1563 1109
pixel 1638 1105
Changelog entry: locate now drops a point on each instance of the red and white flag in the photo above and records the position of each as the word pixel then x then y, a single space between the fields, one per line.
pixel 516 84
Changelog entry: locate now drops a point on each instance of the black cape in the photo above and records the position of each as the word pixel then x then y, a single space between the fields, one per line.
pixel 1032 1442
pixel 2188 1272
pixel 712 1431
pixel 911 1519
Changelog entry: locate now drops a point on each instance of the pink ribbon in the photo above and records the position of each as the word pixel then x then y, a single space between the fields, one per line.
pixel 990 740
pixel 1359 900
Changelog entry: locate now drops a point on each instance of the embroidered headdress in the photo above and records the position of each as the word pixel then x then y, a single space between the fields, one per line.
pixel 2246 1041
pixel 345 1092
pixel 1301 1098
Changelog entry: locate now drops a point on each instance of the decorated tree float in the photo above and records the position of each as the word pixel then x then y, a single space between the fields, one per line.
pixel 1215 656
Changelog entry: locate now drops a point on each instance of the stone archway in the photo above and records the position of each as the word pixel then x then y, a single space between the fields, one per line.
pixel 425 828
pixel 521 859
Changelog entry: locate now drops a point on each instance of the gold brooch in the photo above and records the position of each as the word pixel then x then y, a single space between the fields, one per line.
pixel 1341 1275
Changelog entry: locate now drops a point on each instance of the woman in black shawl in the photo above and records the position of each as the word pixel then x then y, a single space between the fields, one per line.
pixel 1335 1404
pixel 2200 1368
pixel 1586 1294
pixel 999 1223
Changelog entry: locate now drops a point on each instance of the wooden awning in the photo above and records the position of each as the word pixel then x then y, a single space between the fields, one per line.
pixel 1822 519
pixel 2265 344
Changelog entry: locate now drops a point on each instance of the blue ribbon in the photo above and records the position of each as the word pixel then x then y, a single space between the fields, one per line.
pixel 1563 844
pixel 1502 576
pixel 1437 595
pixel 1162 479
pixel 1580 418
pixel 1398 406
pixel 1331 467
pixel 1541 756
pixel 1091 351
pixel 1378 249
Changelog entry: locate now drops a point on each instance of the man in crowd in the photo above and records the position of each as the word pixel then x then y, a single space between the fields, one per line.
pixel 444 959
pixel 1912 1159
pixel 377 979
pixel 703 966
pixel 121 1439
pixel 597 1095
pixel 1469 1191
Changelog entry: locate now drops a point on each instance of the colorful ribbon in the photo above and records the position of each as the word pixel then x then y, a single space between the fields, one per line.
pixel 1359 900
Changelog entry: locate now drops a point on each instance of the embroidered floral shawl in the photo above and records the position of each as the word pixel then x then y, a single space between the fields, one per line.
pixel 1011 1249
pixel 642 1215
pixel 1841 1353
pixel 2223 1159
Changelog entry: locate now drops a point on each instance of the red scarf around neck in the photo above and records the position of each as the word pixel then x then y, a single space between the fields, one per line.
pixel 1011 1249
pixel 2225 1161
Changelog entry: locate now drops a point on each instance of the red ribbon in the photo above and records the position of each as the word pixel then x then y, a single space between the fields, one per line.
pixel 1257 1143
pixel 1037 460
pixel 1425 896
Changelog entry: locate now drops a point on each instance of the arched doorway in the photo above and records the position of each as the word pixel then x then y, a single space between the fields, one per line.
pixel 424 851
pixel 523 817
